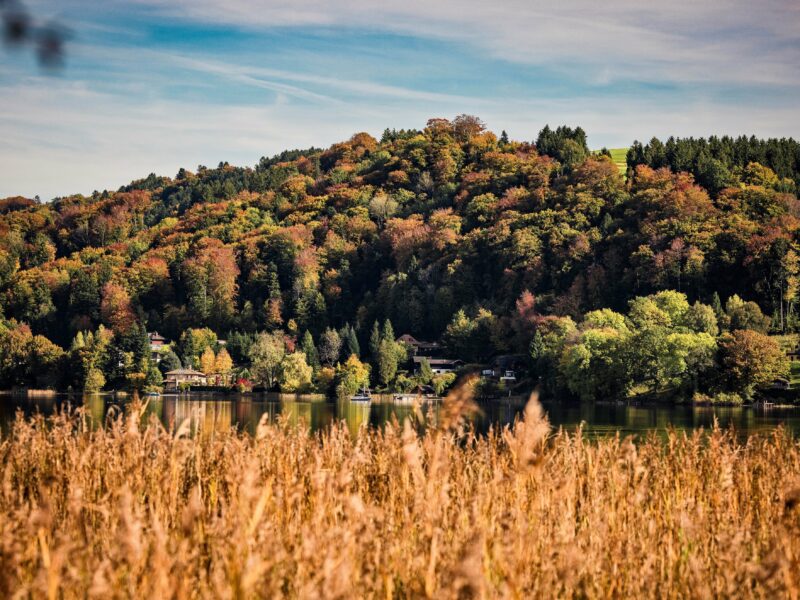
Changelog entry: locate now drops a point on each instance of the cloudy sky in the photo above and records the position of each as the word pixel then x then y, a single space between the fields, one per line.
pixel 154 85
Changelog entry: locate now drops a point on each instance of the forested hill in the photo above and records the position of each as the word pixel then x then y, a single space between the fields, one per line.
pixel 448 225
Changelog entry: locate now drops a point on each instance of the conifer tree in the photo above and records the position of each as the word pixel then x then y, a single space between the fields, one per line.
pixel 310 350
pixel 374 341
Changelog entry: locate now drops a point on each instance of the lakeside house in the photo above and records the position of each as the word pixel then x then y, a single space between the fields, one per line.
pixel 157 343
pixel 419 347
pixel 174 379
pixel 505 368
pixel 438 365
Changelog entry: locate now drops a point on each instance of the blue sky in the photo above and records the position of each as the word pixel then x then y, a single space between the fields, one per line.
pixel 154 85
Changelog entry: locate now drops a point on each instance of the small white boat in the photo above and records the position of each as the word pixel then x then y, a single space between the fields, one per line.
pixel 361 396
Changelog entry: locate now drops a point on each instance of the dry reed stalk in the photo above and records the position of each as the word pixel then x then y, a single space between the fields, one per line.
pixel 134 510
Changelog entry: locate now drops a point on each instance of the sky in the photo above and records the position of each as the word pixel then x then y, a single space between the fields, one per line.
pixel 156 85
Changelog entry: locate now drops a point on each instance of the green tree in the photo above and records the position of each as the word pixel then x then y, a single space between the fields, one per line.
pixel 425 372
pixel 716 304
pixel 595 365
pixel 94 381
pixel 266 355
pixel 169 362
pixel 442 381
pixel 193 342
pixel 390 353
pixel 310 350
pixel 154 381
pixel 387 333
pixel 350 341
pixel 295 373
pixel 744 315
pixel 374 341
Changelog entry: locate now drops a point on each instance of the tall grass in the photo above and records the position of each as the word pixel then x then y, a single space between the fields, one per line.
pixel 134 510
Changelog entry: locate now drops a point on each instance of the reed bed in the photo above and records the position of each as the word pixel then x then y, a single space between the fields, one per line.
pixel 137 510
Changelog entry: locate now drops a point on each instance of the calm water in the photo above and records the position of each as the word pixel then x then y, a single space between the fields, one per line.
pixel 217 413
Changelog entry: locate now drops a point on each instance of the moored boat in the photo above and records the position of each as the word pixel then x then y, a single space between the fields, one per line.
pixel 362 395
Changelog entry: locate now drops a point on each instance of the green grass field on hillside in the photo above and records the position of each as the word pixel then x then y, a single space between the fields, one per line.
pixel 618 155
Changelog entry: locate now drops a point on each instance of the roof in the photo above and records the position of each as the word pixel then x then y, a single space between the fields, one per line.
pixel 411 340
pixel 155 336
pixel 186 372
pixel 438 361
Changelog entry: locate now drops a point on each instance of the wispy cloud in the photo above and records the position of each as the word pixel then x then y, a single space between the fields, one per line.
pixel 263 76
pixel 727 41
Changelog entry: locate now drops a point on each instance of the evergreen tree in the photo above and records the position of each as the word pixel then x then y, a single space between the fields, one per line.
pixel 153 380
pixel 388 331
pixel 310 350
pixel 353 347
pixel 169 362
pixel 425 372
pixel 374 341
pixel 716 304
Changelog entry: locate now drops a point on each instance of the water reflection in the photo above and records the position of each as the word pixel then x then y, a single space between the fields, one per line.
pixel 209 413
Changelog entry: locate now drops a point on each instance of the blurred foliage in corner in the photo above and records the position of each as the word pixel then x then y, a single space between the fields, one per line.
pixel 21 31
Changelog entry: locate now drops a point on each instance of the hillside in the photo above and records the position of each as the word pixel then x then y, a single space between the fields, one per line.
pixel 450 233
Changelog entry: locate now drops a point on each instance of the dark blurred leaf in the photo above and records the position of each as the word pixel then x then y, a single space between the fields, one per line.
pixel 50 48
pixel 19 28
pixel 16 26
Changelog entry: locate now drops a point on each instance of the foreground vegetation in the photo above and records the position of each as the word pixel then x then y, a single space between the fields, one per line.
pixel 136 510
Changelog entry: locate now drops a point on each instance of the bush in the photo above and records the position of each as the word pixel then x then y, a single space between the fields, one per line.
pixel 720 399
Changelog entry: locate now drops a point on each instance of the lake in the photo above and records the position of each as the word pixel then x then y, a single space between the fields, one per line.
pixel 209 412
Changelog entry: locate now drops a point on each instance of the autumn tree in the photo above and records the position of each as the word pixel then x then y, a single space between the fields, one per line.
pixel 28 360
pixel 211 282
pixel 751 359
pixel 330 346
pixel 466 127
pixel 223 364
pixel 382 207
pixel 351 376
pixel 266 355
pixel 207 360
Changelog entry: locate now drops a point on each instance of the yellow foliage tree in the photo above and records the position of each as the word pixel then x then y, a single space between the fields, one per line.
pixel 351 376
pixel 208 361
pixel 223 364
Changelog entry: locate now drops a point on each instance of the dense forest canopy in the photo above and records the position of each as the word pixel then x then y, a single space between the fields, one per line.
pixel 720 162
pixel 448 233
